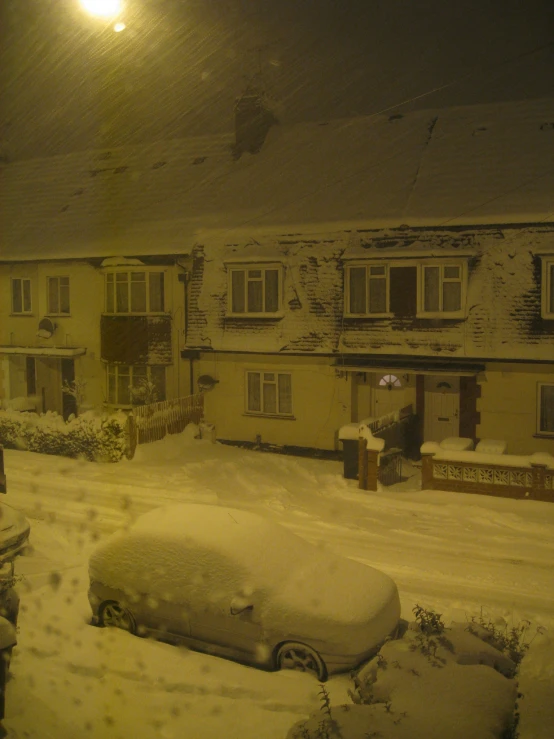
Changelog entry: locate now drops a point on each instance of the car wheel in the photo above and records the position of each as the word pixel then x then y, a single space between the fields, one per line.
pixel 295 656
pixel 111 613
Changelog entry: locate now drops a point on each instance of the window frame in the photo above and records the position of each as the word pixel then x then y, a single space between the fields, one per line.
pixel 547 288
pixel 541 432
pixel 130 367
pixel 367 264
pixel 254 266
pixel 21 312
pixel 113 273
pixel 59 312
pixel 420 264
pixel 462 279
pixel 264 413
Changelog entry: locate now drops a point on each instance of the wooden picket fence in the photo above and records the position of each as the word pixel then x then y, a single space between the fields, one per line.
pixel 152 422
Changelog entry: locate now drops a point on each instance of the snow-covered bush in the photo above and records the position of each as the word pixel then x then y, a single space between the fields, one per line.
pixel 90 436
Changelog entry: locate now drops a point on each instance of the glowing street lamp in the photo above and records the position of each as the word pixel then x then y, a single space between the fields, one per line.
pixel 103 8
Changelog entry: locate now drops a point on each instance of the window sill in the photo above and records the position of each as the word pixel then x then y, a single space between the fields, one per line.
pixel 270 415
pixel 368 315
pixel 58 315
pixel 544 435
pixel 22 315
pixel 265 316
pixel 442 315
pixel 153 313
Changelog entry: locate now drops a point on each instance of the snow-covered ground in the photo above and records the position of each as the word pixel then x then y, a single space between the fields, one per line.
pixel 458 554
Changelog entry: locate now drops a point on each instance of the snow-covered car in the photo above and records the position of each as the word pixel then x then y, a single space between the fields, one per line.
pixel 14 532
pixel 232 583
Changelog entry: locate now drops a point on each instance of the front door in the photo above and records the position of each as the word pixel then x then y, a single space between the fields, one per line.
pixel 49 384
pixel 442 407
pixel 389 394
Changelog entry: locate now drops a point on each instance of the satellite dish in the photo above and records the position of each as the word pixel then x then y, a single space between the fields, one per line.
pixel 206 382
pixel 46 328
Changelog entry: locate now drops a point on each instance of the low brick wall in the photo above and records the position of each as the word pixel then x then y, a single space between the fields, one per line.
pixel 532 482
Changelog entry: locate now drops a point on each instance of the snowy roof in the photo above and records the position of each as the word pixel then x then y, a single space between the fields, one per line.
pixel 482 164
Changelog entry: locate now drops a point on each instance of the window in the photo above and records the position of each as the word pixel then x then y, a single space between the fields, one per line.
pixel 21 295
pixel 441 288
pixel 545 409
pixel 390 381
pixel 134 292
pixel 135 384
pixel 255 290
pixel 269 393
pixel 367 289
pixel 548 289
pixel 58 295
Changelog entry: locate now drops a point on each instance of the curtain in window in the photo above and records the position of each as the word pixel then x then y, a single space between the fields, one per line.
pixel 547 408
pixel 451 296
pixel 121 293
pixel 138 292
pixel 53 303
pixel 285 394
pixel 255 291
pixel 156 292
pixel 254 399
pixel 271 290
pixel 551 309
pixel 237 291
pixel 431 289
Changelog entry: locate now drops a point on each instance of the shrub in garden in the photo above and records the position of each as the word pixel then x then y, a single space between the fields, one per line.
pixel 91 436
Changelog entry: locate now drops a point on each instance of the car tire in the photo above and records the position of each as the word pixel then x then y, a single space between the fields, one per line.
pixel 297 656
pixel 112 613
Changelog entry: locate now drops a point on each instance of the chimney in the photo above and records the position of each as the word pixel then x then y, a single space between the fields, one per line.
pixel 253 119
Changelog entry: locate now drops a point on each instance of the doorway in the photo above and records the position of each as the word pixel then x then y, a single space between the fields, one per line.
pixel 442 407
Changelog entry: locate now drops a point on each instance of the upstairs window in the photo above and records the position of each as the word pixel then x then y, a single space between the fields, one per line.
pixel 58 296
pixel 255 290
pixel 21 295
pixel 441 289
pixel 269 393
pixel 545 409
pixel 367 289
pixel 548 288
pixel 134 292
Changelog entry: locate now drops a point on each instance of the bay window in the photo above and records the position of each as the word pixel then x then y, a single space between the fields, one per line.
pixel 134 292
pixel 134 384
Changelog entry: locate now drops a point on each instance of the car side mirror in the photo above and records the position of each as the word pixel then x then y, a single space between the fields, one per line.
pixel 240 604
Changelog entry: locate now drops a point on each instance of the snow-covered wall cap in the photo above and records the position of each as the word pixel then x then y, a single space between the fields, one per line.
pixel 122 262
pixel 502 460
pixel 413 251
pixel 374 444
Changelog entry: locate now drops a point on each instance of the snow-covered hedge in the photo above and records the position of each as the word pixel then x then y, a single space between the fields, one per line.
pixel 91 436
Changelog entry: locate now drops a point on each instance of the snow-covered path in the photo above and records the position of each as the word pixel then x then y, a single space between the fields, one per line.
pixel 452 552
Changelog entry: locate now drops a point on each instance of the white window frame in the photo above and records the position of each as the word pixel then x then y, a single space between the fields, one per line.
pixel 130 367
pixel 547 292
pixel 21 312
pixel 263 267
pixel 420 264
pixel 367 265
pixel 462 279
pixel 59 312
pixel 263 381
pixel 540 431
pixel 110 278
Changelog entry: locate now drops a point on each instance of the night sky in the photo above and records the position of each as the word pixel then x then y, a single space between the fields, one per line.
pixel 68 82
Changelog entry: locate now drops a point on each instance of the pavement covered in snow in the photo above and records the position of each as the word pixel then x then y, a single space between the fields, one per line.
pixel 458 554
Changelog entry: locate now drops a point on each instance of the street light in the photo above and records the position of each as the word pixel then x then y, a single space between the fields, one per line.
pixel 102 8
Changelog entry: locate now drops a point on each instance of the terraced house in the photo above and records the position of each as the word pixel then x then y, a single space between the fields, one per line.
pixel 303 277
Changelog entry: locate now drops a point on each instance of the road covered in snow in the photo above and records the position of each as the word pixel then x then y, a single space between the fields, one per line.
pixel 461 555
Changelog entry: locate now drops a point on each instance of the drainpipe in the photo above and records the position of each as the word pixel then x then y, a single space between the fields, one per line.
pixel 191 355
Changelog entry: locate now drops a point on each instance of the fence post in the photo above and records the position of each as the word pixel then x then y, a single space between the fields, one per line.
pixel 372 469
pixel 362 463
pixel 131 431
pixel 537 481
pixel 427 471
pixel 3 483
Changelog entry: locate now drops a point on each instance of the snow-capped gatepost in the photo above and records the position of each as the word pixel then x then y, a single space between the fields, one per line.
pixel 369 451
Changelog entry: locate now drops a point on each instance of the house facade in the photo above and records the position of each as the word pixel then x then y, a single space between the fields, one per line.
pixel 329 272
pixel 303 336
pixel 82 334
